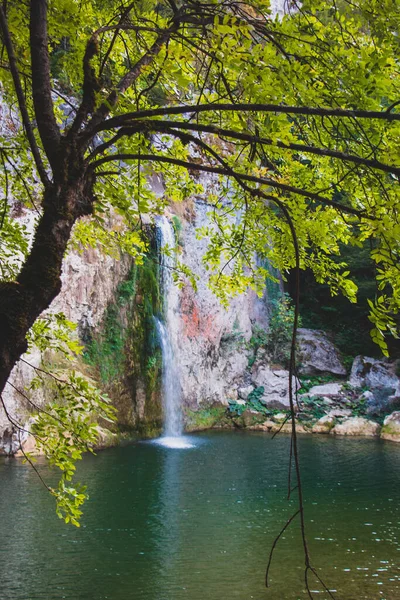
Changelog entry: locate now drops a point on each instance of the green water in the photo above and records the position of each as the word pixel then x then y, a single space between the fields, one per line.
pixel 197 524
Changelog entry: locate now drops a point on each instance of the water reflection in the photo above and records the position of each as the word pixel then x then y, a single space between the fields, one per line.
pixel 188 524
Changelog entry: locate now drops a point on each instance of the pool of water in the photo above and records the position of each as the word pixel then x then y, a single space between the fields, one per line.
pixel 197 523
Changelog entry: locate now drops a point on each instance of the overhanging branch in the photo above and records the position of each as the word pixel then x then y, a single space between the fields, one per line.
pixel 242 176
pixel 167 126
pixel 41 83
pixel 122 120
pixel 21 98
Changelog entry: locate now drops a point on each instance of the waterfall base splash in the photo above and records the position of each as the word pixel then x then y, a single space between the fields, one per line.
pixel 179 442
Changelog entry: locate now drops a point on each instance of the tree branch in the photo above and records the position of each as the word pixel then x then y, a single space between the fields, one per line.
pixel 41 84
pixel 122 120
pixel 127 81
pixel 241 176
pixel 21 98
pixel 353 158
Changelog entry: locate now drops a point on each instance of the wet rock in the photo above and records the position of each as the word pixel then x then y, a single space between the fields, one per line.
pixel 275 383
pixel 357 426
pixel 373 373
pixel 391 427
pixel 328 389
pixel 324 424
pixel 317 354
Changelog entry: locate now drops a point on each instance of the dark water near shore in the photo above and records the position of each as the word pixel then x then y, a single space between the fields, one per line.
pixel 198 524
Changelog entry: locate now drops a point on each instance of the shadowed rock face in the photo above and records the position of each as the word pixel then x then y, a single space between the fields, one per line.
pixel 373 373
pixel 391 427
pixel 317 354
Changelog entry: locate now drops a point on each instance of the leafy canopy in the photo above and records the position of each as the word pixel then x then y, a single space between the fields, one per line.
pixel 336 176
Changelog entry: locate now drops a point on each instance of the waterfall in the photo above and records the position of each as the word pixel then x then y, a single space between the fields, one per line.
pixel 170 385
pixel 171 389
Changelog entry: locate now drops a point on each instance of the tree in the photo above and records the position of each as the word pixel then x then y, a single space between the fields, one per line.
pixel 297 118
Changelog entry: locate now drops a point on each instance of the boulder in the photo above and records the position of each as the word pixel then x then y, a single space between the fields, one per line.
pixel 279 417
pixel 373 373
pixel 357 426
pixel 275 383
pixel 287 428
pixel 324 424
pixel 106 438
pixel 317 354
pixel 328 389
pixel 339 412
pixel 28 447
pixel 391 427
pixel 244 392
pixel 266 426
pixel 248 418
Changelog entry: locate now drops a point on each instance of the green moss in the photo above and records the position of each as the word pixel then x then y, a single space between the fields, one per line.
pixel 124 352
pixel 105 350
pixel 389 430
pixel 206 418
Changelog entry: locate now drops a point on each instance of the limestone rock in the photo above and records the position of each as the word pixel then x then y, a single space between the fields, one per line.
pixel 106 438
pixel 244 392
pixel 373 373
pixel 279 417
pixel 317 354
pixel 357 426
pixel 275 383
pixel 391 427
pixel 266 426
pixel 248 418
pixel 287 428
pixel 324 424
pixel 28 446
pixel 339 412
pixel 328 389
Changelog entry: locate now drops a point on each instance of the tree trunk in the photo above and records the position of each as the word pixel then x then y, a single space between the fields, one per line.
pixel 39 282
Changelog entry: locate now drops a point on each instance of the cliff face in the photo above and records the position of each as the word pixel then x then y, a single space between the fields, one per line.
pixel 89 282
pixel 114 303
pixel 209 340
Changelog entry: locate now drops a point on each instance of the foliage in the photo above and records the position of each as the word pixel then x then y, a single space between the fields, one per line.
pixel 55 332
pixel 106 349
pixel 277 339
pixel 315 405
pixel 177 225
pixel 64 430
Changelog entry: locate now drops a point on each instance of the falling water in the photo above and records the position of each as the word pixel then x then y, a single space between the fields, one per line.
pixel 171 389
pixel 170 385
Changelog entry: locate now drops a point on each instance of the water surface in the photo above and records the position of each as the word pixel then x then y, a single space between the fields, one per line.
pixel 197 523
